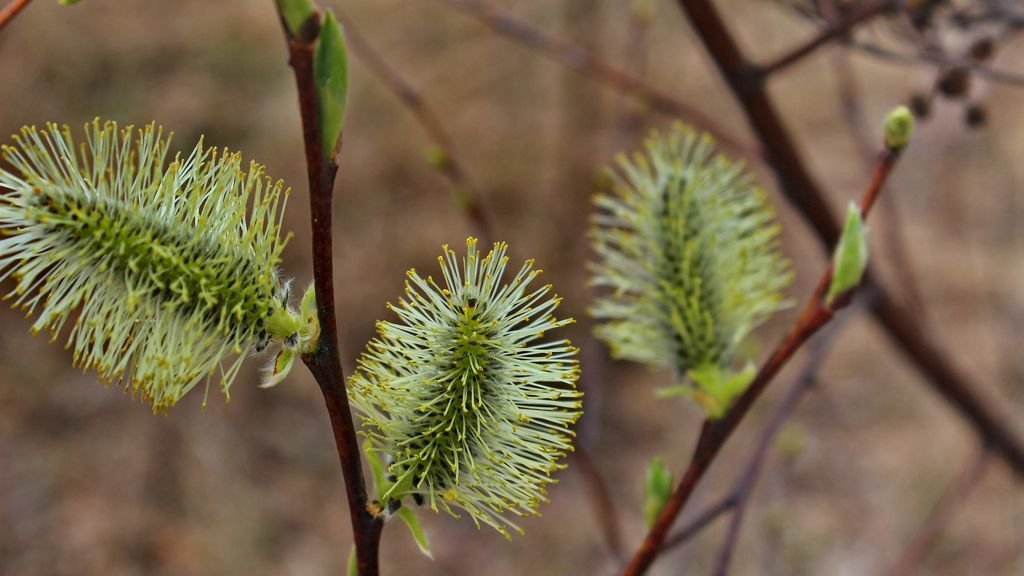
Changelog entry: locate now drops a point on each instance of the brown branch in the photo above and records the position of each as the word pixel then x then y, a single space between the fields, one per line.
pixel 579 59
pixel 744 488
pixel 325 362
pixel 715 433
pixel 10 10
pixel 797 184
pixel 467 196
pixel 837 29
pixel 917 551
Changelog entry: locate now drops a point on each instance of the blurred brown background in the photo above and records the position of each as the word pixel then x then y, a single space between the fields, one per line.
pixel 92 483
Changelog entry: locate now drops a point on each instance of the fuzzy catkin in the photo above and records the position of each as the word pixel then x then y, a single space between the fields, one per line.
pixel 688 258
pixel 470 401
pixel 171 268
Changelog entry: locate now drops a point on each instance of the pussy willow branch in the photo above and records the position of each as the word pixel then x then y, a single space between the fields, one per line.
pixel 714 433
pixel 796 183
pixel 744 487
pixel 325 362
pixel 582 61
pixel 916 552
pixel 893 231
pixel 466 194
pixel 10 10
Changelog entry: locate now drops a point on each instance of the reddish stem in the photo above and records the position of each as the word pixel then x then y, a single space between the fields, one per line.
pixel 325 362
pixel 10 10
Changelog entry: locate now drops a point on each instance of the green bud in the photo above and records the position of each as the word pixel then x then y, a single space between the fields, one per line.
pixel 330 68
pixel 296 13
pixel 851 255
pixel 658 486
pixel 899 125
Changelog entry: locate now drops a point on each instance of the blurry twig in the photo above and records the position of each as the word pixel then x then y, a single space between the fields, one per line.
pixel 446 161
pixel 737 498
pixel 582 61
pixel 807 197
pixel 325 362
pixel 817 312
pixel 601 500
pixel 804 382
pixel 940 61
pixel 916 551
pixel 831 32
pixel 10 10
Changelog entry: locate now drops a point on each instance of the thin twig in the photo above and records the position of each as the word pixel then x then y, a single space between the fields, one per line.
pixel 744 488
pixel 715 433
pixel 325 362
pixel 601 501
pixel 741 489
pixel 893 231
pixel 466 194
pixel 940 61
pixel 579 59
pixel 916 552
pixel 807 197
pixel 840 28
pixel 10 10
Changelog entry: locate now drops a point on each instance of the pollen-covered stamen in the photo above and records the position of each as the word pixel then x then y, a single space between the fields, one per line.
pixel 188 270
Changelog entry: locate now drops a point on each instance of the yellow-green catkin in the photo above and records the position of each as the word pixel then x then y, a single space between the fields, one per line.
pixel 465 394
pixel 161 272
pixel 688 260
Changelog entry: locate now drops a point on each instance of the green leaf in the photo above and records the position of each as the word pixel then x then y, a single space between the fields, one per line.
pixel 851 255
pixel 280 369
pixel 412 522
pixel 380 477
pixel 68 2
pixel 717 387
pixel 295 13
pixel 330 69
pixel 657 490
pixel 899 125
pixel 310 331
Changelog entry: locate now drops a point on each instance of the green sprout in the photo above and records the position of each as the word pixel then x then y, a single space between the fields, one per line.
pixel 688 263
pixel 162 271
pixel 470 404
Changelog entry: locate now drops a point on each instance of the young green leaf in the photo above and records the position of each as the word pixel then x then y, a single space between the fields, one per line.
pixel 353 562
pixel 296 13
pixel 851 255
pixel 657 490
pixel 716 388
pixel 412 522
pixel 330 69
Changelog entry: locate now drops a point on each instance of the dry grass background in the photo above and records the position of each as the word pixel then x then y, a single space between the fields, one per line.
pixel 92 483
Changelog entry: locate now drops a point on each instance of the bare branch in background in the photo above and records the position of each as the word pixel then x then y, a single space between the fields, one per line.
pixel 580 60
pixel 447 161
pixel 916 552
